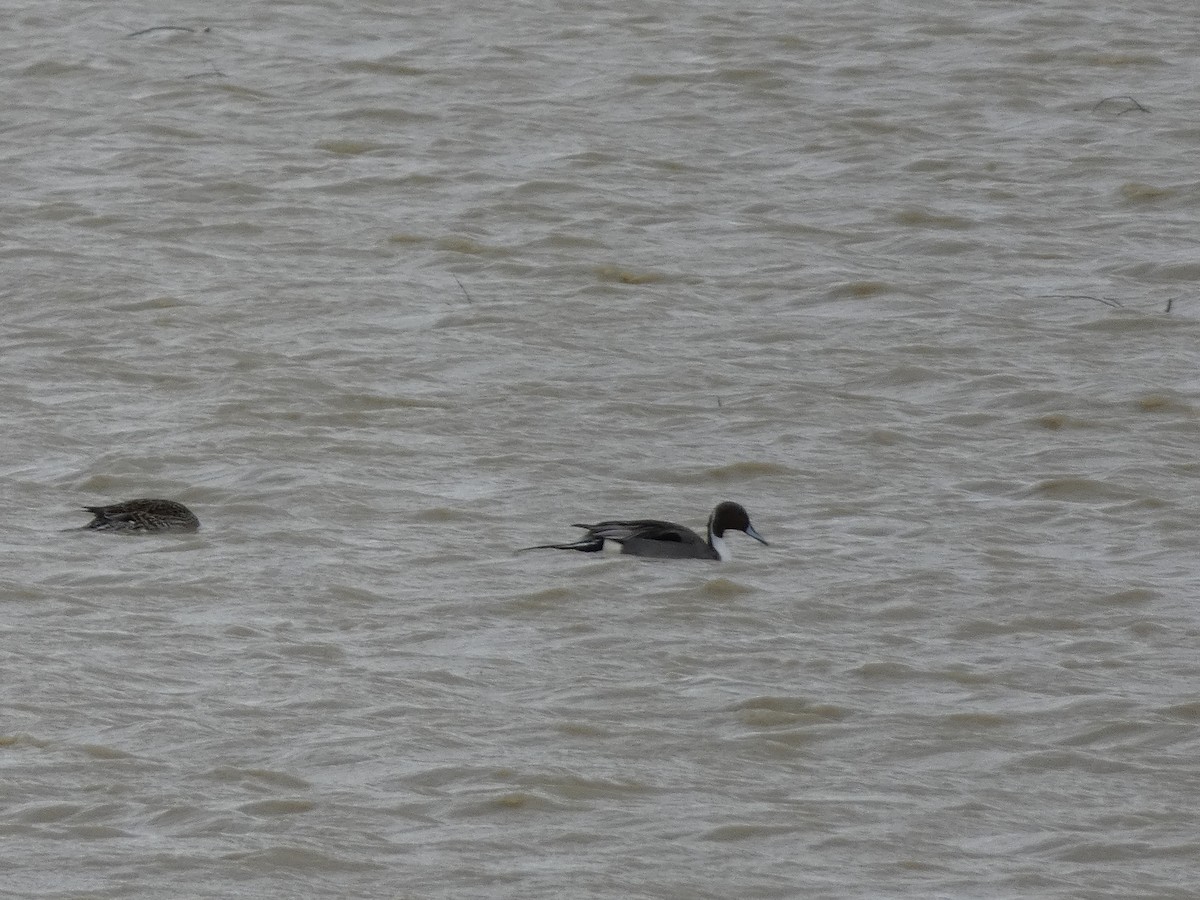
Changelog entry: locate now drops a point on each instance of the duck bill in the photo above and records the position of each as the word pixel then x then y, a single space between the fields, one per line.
pixel 754 534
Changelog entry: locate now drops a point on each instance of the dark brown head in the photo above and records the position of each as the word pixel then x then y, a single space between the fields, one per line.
pixel 730 516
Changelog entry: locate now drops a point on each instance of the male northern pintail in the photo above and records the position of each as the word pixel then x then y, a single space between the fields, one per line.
pixel 143 515
pixel 652 537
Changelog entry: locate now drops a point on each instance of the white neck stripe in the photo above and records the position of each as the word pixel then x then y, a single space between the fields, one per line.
pixel 722 548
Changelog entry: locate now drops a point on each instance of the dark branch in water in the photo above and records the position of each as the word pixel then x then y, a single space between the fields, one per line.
pixel 463 289
pixel 1107 301
pixel 203 30
pixel 215 73
pixel 1133 106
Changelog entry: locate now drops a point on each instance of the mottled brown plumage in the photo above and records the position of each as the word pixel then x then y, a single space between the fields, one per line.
pixel 146 515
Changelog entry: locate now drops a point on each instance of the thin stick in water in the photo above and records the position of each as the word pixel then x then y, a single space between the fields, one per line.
pixel 1107 301
pixel 1133 107
pixel 461 288
pixel 163 28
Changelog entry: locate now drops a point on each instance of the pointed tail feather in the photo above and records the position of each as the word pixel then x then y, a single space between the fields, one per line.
pixel 100 518
pixel 587 545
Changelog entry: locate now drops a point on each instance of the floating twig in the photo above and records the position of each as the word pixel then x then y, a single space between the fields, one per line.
pixel 215 73
pixel 162 28
pixel 1107 301
pixel 461 288
pixel 1170 303
pixel 1134 106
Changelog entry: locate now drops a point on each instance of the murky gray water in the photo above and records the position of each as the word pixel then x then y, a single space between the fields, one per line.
pixel 383 294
